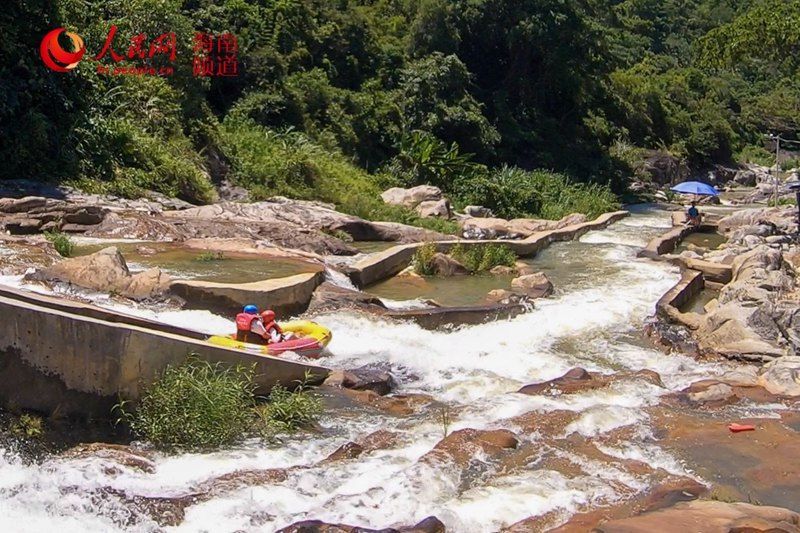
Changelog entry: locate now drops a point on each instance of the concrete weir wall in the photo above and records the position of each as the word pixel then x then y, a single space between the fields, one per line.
pixel 59 360
pixel 389 262
pixel 669 306
pixel 286 296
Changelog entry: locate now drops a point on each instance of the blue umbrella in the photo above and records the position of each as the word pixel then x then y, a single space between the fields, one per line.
pixel 696 187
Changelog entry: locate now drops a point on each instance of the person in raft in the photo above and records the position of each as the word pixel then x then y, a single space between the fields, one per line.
pixel 693 215
pixel 257 329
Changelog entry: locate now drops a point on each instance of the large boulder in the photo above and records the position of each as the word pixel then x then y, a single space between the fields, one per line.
pixel 434 208
pixel 412 197
pixel 532 285
pixel 32 214
pixel 782 218
pixel 329 297
pixel 105 271
pixel 376 378
pixel 576 380
pixel 664 168
pixel 461 446
pixel 489 228
pixel 444 265
pixel 428 525
pixel 518 228
pixel 781 376
pixel 709 517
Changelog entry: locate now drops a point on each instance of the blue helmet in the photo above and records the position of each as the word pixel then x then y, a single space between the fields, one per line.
pixel 251 309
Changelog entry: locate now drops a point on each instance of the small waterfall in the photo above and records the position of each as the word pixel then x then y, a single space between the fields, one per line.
pixel 338 278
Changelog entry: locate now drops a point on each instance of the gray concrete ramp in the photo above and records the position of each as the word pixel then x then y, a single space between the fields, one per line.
pixel 67 359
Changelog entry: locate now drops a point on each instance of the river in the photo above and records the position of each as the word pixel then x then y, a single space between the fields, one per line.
pixel 594 321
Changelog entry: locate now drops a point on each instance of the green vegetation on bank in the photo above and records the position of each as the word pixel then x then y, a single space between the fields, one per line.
pixel 198 404
pixel 335 101
pixel 477 258
pixel 61 242
pixel 482 258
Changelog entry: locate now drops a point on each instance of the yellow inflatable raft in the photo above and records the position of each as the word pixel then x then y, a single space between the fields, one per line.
pixel 308 340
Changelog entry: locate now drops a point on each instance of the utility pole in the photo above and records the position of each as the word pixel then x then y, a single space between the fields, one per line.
pixel 777 166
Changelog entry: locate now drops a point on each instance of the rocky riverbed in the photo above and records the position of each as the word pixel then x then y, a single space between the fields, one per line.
pixel 565 418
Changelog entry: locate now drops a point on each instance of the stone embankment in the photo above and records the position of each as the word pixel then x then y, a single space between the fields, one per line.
pixel 755 314
pixel 385 264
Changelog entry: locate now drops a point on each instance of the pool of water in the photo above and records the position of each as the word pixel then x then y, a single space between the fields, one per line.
pixel 370 247
pixel 569 265
pixel 182 263
pixel 709 241
pixel 448 291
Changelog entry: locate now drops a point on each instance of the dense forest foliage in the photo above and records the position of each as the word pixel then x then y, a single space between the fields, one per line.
pixel 337 99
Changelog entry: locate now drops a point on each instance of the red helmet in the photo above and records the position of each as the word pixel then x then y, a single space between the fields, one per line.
pixel 268 316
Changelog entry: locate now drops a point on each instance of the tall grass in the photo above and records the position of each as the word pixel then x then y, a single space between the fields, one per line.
pixel 196 404
pixel 481 258
pixel 288 164
pixel 515 193
pixel 288 410
pixel 201 405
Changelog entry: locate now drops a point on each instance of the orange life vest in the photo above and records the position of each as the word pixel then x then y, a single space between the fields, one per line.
pixel 243 334
pixel 244 321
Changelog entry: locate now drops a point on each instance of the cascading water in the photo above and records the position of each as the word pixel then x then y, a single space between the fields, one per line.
pixel 604 293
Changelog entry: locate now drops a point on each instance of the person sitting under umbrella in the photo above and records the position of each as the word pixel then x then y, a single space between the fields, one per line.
pixel 693 215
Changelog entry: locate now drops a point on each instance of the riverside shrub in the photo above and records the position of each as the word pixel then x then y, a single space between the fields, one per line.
pixel 61 242
pixel 288 410
pixel 196 404
pixel 515 193
pixel 423 259
pixel 482 258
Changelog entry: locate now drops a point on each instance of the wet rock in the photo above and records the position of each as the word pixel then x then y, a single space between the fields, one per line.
pixel 105 271
pixel 412 197
pixel 671 491
pixel 462 445
pixel 532 285
pixel 166 511
pixel 672 337
pixel 237 480
pixel 375 378
pixel 444 265
pixel 504 297
pixel 666 493
pixel 116 454
pixel 711 517
pixel 434 208
pixel 348 450
pixel 575 380
pixel 397 405
pixel 503 270
pixel 428 525
pixel 752 464
pixel 524 269
pixel 710 393
pixel 782 376
pixel 650 376
pixel 379 440
pixel 329 297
